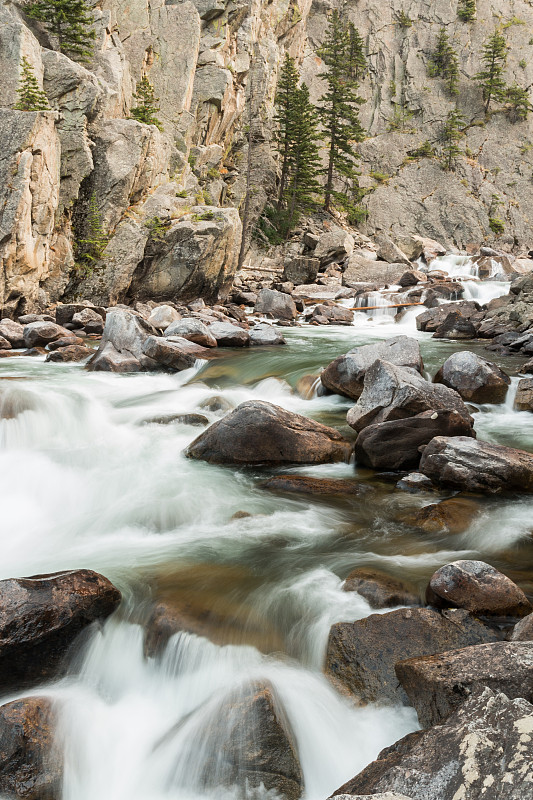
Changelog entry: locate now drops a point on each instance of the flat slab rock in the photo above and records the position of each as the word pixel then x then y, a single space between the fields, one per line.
pixel 437 685
pixel 304 484
pixel 482 752
pixel 361 655
pixel 262 433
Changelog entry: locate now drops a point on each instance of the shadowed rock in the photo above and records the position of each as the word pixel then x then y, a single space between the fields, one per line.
pixel 379 589
pixel 476 379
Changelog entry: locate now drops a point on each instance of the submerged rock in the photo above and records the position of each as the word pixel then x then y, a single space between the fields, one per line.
pixel 261 433
pixel 303 484
pixel 453 515
pixel 379 589
pixel 474 378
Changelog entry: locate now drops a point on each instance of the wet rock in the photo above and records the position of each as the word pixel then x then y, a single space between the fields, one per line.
pixel 89 320
pixel 455 326
pixel 479 753
pixel 477 587
pixel 13 332
pixel 262 433
pixel 217 405
pixel 303 484
pixel 275 304
pixel 331 315
pixel 184 419
pixel 379 589
pixel 476 379
pixel 412 277
pixel 163 316
pixel 474 466
pixel 121 348
pixel 437 685
pixel 173 353
pixel 415 482
pixel 65 341
pixel 40 617
pixel 453 515
pixel 307 386
pixel 301 269
pixel 345 375
pixel 391 392
pixel 30 759
pixel 430 320
pixel 228 335
pixel 396 444
pixel 70 353
pixel 523 630
pixel 38 334
pixel 194 330
pixel 361 655
pixel 527 368
pixel 263 334
pixel 524 395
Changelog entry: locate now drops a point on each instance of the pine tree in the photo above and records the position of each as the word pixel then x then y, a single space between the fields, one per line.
pixel 70 21
pixel 494 59
pixel 31 97
pixel 91 249
pixel 451 134
pixel 357 57
pixel 518 103
pixel 285 100
pixel 339 115
pixel 146 107
pixel 445 63
pixel 304 158
pixel 466 10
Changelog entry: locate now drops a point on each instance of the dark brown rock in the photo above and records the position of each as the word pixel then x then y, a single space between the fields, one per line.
pixel 430 320
pixel 379 589
pixel 477 587
pixel 412 277
pixel 455 326
pixel 437 685
pixel 65 341
pixel 303 484
pixel 474 378
pixel 361 655
pixel 73 352
pixel 453 515
pixel 523 630
pixel 261 433
pixel 38 334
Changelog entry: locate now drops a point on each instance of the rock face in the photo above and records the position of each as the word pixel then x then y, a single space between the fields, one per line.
pixel 41 616
pixel 477 587
pixel 262 433
pixel 484 744
pixel 379 589
pixel 475 466
pixel 392 393
pixel 475 378
pixel 361 655
pixel 346 374
pixel 437 685
pixel 30 760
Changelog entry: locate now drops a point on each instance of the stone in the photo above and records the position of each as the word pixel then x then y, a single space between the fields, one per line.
pixel 301 270
pixel 228 335
pixel 430 320
pixel 264 334
pixel 345 375
pixel 70 353
pixel 477 587
pixel 304 484
pixel 174 353
pixel 275 304
pixel 197 420
pixel 453 515
pixel 65 311
pixel 334 246
pixel 66 341
pixel 31 763
pixel 436 685
pixel 470 465
pixel 121 348
pixel 194 330
pixel 379 589
pixel 455 326
pixel 485 743
pixel 415 482
pixel 392 393
pixel 474 378
pixel 388 251
pixel 163 316
pixel 524 395
pixel 261 433
pixel 361 655
pixel 89 320
pixel 37 334
pixel 13 332
pixel 217 405
pixel 412 277
pixel 397 444
pixel 523 630
pixel 4 344
pixel 415 247
pixel 332 314
pixel 40 618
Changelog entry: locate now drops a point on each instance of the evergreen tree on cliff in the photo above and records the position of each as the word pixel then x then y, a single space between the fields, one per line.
pixel 491 77
pixel 451 134
pixel 339 116
pixel 147 104
pixel 466 10
pixel 70 21
pixel 31 97
pixel 357 56
pixel 445 63
pixel 304 160
pixel 285 117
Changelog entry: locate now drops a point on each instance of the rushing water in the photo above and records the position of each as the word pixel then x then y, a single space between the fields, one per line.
pixel 86 484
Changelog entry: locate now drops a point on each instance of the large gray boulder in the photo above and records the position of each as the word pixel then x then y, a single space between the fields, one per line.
pixel 228 335
pixel 474 466
pixel 476 379
pixel 40 333
pixel 391 393
pixel 261 433
pixel 483 750
pixel 334 246
pixel 358 269
pixel 264 334
pixel 121 348
pixel 174 353
pixel 194 330
pixel 345 375
pixel 275 304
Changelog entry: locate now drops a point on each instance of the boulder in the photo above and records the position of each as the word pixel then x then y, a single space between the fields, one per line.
pixel 194 330
pixel 305 484
pixel 261 433
pixel 301 269
pixel 121 348
pixel 455 326
pixel 397 444
pixel 477 587
pixel 415 247
pixel 358 270
pixel 430 320
pixel 38 334
pixel 40 617
pixel 275 304
pixel 331 315
pixel 345 375
pixel 485 743
pixel 163 316
pixel 65 311
pixel 228 335
pixel 361 655
pixel 334 246
pixel 453 515
pixel 415 482
pixel 523 630
pixel 388 251
pixel 436 685
pixel 379 589
pixel 65 341
pixel 70 353
pixel 412 277
pixel 173 353
pixel 89 320
pixel 392 393
pixel 265 334
pixel 476 379
pixel 470 465
pixel 13 332
pixel 31 764
pixel 524 395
